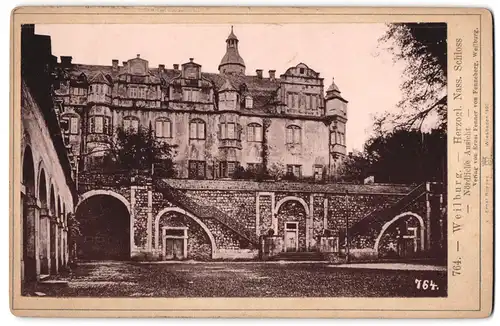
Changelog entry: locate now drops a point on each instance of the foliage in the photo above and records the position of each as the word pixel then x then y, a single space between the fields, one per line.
pixel 354 168
pixel 403 156
pixel 276 171
pixel 423 48
pixel 140 150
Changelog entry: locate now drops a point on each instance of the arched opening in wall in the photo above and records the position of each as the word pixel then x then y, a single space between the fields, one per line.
pixel 292 215
pixel 105 229
pixel 181 237
pixel 28 216
pixel 53 231
pixel 401 237
pixel 43 240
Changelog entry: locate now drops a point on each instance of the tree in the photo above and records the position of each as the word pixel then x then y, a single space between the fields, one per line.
pixel 140 150
pixel 402 156
pixel 354 168
pixel 423 47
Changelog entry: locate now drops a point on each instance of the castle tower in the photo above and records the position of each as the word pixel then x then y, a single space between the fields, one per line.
pixel 232 62
pixel 336 112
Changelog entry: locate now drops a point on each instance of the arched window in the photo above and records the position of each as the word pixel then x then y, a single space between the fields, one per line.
pixel 248 102
pixel 163 128
pixel 72 124
pixel 131 124
pixel 293 135
pixel 254 132
pixel 197 129
pixel 99 124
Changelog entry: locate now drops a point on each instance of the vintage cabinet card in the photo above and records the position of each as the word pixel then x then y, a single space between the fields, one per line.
pixel 251 162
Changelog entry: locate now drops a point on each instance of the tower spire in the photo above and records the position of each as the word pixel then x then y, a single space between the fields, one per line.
pixel 232 62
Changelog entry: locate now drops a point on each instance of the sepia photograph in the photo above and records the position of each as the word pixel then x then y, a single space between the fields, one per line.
pixel 234 160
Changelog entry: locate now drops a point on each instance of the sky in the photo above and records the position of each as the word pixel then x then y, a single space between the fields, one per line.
pixel 363 70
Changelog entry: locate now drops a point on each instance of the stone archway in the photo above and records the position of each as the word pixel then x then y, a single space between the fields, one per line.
pixel 386 226
pixel 44 227
pixel 28 206
pixel 194 219
pixel 292 213
pixel 105 225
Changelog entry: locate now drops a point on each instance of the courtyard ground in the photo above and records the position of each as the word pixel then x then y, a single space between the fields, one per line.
pixel 240 279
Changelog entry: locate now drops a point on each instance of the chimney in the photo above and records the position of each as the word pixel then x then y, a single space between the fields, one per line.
pixel 191 59
pixel 176 66
pixel 259 73
pixel 115 64
pixel 161 67
pixel 66 61
pixel 272 74
pixel 124 64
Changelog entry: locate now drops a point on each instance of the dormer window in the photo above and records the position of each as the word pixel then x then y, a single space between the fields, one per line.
pixel 132 92
pixel 189 95
pixel 248 102
pixel 302 71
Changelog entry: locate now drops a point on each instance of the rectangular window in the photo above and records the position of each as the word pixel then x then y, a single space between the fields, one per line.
pixel 98 125
pixel 163 129
pixel 295 100
pixel 73 125
pixel 226 169
pixel 254 167
pixel 313 102
pixel 188 95
pixel 248 102
pixel 318 172
pixel 295 170
pixel 197 169
pixel 133 92
pixel 197 129
pixel 290 100
pixel 143 93
pixel 230 131
pixel 254 133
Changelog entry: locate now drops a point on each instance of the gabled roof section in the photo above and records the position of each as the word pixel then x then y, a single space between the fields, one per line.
pixel 227 86
pixel 100 78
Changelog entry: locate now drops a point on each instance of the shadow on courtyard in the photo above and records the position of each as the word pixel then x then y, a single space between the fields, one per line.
pixel 129 279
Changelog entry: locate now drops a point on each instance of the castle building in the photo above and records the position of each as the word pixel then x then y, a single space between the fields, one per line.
pixel 218 121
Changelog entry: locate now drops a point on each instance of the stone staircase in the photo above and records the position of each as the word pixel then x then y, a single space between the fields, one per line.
pixel 380 217
pixel 203 211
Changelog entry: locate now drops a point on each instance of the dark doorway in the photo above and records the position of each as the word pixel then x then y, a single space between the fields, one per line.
pixel 105 229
